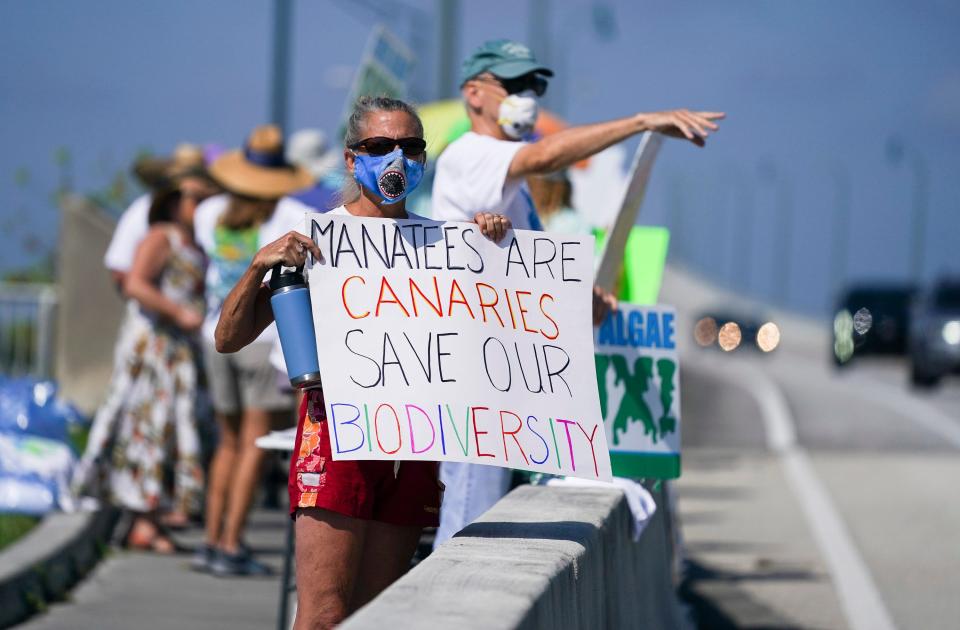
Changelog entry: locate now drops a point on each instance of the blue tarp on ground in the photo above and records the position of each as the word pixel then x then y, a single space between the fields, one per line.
pixel 41 437
pixel 30 406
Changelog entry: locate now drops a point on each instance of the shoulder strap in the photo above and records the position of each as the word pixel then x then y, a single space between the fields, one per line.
pixel 174 236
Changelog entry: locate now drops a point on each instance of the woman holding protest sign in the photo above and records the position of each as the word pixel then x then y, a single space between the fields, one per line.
pixel 357 522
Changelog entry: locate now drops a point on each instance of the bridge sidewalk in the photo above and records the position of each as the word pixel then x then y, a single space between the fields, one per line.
pixel 147 591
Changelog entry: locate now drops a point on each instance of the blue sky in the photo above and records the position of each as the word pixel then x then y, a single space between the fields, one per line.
pixel 812 89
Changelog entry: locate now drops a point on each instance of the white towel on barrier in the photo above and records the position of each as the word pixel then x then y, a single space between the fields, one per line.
pixel 640 502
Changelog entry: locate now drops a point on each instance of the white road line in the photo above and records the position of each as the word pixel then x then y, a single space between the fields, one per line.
pixel 858 594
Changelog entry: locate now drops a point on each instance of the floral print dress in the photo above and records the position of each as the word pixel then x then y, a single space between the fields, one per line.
pixel 149 416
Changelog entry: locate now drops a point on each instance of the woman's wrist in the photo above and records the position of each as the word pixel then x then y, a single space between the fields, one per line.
pixel 259 267
pixel 641 122
pixel 176 313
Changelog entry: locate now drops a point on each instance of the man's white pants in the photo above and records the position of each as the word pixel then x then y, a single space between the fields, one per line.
pixel 471 490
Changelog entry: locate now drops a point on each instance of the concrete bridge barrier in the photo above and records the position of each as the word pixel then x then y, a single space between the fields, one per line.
pixel 543 557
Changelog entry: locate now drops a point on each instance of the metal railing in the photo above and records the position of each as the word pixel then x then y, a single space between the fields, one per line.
pixel 27 324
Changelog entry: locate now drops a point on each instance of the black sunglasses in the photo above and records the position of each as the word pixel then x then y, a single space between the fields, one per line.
pixel 531 81
pixel 380 145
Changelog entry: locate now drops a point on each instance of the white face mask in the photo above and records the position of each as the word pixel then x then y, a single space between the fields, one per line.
pixel 518 114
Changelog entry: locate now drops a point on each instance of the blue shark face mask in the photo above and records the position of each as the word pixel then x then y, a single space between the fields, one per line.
pixel 391 176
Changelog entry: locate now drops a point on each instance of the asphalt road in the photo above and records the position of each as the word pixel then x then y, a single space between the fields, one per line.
pixel 812 497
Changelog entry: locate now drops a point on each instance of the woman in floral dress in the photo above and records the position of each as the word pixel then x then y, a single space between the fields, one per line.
pixel 149 417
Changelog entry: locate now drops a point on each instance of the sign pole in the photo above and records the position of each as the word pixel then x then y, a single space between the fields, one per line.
pixel 280 71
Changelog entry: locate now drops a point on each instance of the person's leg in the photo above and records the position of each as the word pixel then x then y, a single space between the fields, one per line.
pixel 220 476
pixel 222 380
pixel 387 551
pixel 265 406
pixel 471 490
pixel 246 473
pixel 329 551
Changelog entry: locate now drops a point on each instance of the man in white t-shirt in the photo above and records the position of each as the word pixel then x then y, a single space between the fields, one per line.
pixel 484 171
pixel 130 230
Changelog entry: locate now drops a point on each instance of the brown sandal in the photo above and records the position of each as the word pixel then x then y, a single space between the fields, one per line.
pixel 156 541
pixel 175 520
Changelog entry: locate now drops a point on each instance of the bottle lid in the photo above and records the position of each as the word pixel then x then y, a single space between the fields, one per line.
pixel 281 279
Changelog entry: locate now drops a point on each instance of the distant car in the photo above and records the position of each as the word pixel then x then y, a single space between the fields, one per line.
pixel 710 330
pixel 872 319
pixel 935 333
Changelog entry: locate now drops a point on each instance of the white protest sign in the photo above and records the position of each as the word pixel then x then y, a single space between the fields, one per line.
pixel 437 344
pixel 612 258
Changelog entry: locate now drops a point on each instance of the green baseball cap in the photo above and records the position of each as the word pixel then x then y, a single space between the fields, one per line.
pixel 502 58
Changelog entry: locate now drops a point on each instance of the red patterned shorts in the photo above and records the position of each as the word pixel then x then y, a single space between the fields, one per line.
pixel 373 490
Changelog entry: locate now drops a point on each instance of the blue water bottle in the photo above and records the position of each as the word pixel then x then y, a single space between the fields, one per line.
pixel 290 300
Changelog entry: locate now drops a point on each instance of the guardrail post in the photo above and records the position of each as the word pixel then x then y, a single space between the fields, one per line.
pixel 43 334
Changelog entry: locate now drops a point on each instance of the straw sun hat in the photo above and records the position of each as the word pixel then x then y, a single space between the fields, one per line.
pixel 158 172
pixel 187 160
pixel 259 169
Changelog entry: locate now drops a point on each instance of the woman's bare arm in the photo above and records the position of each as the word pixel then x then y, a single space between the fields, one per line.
pixel 140 283
pixel 246 312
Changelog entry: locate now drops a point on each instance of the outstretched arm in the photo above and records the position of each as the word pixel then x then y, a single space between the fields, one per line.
pixel 246 311
pixel 564 148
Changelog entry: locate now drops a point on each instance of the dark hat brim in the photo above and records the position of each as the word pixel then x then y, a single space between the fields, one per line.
pixel 518 68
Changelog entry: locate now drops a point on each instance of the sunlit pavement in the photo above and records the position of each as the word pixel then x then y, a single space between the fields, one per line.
pixel 146 591
pixel 752 562
pixel 884 457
